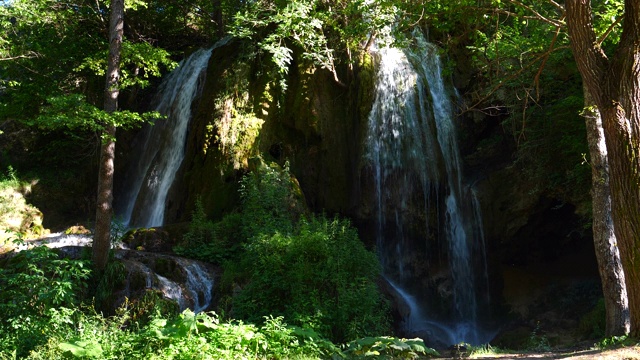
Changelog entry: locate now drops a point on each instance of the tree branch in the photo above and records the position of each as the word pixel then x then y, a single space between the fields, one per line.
pixel 536 80
pixel 558 6
pixel 512 76
pixel 537 14
pixel 29 55
pixel 604 36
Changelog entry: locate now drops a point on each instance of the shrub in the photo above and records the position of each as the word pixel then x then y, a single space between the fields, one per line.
pixel 384 347
pixel 321 277
pixel 270 201
pixel 33 282
pixel 592 324
pixel 210 241
pixel 316 272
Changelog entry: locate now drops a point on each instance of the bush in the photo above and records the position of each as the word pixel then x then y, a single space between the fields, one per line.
pixel 385 347
pixel 214 242
pixel 34 282
pixel 321 277
pixel 271 203
pixel 316 272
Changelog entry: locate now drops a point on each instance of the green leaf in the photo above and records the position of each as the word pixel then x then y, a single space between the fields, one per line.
pixel 82 349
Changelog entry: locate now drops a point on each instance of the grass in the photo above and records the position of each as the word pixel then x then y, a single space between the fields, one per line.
pixel 485 350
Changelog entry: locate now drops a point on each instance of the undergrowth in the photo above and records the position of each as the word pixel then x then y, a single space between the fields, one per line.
pixel 278 260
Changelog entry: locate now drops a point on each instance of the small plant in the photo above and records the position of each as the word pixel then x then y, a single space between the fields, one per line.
pixel 538 342
pixel 592 324
pixel 209 241
pixel 614 341
pixel 484 350
pixel 109 280
pixel 118 231
pixel 384 347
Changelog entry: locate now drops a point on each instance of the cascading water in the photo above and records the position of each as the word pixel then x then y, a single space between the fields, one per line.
pixel 412 149
pixel 196 292
pixel 162 150
pixel 199 284
pixel 190 286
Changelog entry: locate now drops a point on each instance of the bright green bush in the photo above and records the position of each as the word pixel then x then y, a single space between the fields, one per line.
pixel 315 272
pixel 72 333
pixel 321 277
pixel 270 201
pixel 385 347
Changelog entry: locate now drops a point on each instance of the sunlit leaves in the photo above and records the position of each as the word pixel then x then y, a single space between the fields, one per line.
pixel 295 23
pixel 139 61
pixel 607 17
pixel 72 112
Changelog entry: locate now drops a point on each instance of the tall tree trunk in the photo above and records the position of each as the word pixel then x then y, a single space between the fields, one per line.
pixel 104 211
pixel 614 84
pixel 604 239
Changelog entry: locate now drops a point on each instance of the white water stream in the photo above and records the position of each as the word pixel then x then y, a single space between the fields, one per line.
pixel 163 148
pixel 196 292
pixel 412 148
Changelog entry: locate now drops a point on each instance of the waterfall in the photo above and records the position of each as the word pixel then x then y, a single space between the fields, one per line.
pixel 194 292
pixel 199 284
pixel 412 151
pixel 162 150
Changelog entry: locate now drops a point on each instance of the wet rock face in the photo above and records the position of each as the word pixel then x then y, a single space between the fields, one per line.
pixel 155 240
pixel 187 282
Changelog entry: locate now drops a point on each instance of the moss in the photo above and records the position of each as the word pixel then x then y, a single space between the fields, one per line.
pixel 366 78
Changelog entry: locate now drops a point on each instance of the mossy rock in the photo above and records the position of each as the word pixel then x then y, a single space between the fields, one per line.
pixel 77 230
pixel 149 239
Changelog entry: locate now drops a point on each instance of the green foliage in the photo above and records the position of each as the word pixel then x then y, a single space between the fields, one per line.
pixel 10 204
pixel 39 33
pixel 186 336
pixel 72 113
pixel 384 347
pixel 615 341
pixel 151 305
pixel 140 62
pixel 111 279
pixel 315 272
pixel 210 241
pixel 316 29
pixel 538 342
pixel 593 323
pixel 484 351
pixel 36 280
pixel 33 283
pixel 319 277
pixel 270 203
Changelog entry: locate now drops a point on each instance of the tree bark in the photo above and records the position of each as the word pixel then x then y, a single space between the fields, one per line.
pixel 604 239
pixel 104 211
pixel 614 84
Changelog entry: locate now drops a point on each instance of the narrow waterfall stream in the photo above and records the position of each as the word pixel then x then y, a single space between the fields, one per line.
pixel 412 150
pixel 162 150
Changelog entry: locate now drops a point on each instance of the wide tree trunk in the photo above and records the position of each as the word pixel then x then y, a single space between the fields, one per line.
pixel 104 211
pixel 604 239
pixel 614 84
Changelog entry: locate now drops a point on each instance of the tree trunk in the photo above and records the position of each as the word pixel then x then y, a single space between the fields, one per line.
pixel 604 239
pixel 614 84
pixel 104 211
